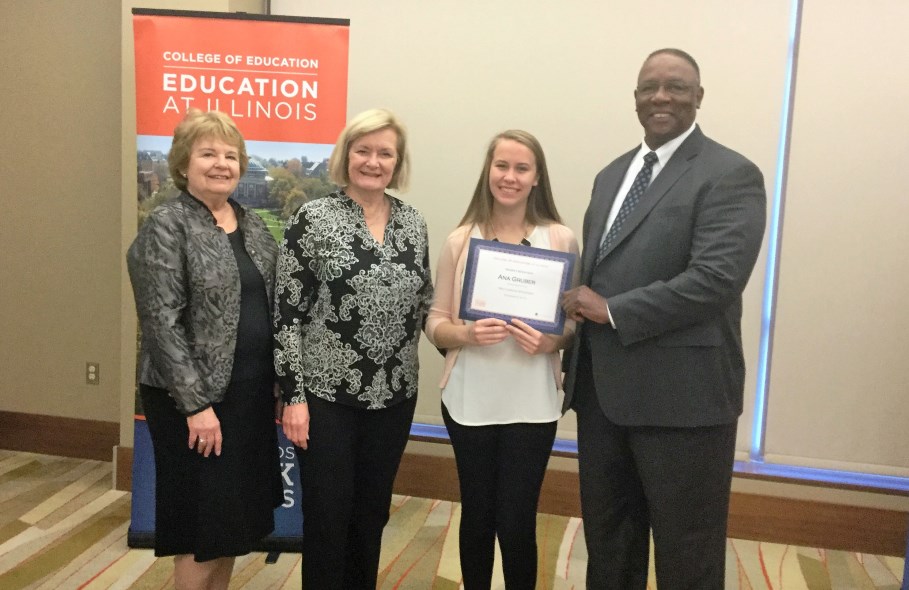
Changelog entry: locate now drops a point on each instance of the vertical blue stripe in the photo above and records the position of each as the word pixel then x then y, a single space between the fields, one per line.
pixel 774 239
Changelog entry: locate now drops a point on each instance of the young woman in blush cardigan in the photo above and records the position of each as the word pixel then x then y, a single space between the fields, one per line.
pixel 500 386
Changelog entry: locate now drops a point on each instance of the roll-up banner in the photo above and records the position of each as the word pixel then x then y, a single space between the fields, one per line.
pixel 283 80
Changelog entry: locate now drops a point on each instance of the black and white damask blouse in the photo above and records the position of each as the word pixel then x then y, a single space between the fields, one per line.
pixel 348 310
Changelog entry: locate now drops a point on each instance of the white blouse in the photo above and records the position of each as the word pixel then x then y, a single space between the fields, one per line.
pixel 500 383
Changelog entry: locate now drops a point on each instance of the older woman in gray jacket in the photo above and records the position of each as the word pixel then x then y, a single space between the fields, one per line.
pixel 202 269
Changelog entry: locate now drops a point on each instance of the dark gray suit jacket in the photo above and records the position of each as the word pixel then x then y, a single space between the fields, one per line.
pixel 673 280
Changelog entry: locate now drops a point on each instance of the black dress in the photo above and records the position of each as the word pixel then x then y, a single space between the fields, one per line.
pixel 221 506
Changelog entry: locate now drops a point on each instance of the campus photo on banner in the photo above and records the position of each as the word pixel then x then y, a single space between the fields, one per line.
pixel 283 80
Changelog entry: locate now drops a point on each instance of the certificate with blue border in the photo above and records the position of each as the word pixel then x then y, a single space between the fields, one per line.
pixel 508 281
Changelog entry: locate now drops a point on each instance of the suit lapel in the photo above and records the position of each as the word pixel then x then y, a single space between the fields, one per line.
pixel 607 187
pixel 677 165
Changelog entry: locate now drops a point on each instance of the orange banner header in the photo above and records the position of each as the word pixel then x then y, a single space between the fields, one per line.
pixel 278 80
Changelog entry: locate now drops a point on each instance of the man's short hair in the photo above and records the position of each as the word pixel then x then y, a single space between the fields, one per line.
pixel 678 53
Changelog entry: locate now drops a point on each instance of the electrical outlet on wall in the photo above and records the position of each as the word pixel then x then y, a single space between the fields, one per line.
pixel 92 373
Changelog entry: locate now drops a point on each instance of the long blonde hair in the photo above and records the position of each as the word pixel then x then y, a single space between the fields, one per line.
pixel 541 208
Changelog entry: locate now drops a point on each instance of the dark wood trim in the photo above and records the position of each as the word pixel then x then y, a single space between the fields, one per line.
pixel 741 470
pixel 413 481
pixel 123 478
pixel 751 516
pixel 818 524
pixel 559 495
pixel 55 435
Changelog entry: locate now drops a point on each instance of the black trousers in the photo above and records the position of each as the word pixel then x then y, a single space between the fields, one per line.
pixel 500 472
pixel 675 481
pixel 346 479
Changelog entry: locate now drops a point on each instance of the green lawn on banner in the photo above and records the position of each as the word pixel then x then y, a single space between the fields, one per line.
pixel 275 224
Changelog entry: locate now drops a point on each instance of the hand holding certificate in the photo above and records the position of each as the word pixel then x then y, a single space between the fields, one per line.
pixel 508 281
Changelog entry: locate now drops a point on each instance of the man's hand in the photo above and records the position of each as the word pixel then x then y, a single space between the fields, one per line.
pixel 583 303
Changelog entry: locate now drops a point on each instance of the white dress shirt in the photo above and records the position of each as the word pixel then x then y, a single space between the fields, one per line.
pixel 664 152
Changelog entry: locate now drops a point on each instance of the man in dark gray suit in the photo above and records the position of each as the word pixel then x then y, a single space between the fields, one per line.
pixel 656 375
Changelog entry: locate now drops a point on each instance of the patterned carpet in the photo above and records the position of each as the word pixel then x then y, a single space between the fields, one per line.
pixel 61 526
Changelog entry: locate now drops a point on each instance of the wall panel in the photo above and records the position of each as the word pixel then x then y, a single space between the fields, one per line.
pixel 840 376
pixel 60 188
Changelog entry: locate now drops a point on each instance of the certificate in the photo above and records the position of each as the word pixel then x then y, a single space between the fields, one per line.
pixel 508 281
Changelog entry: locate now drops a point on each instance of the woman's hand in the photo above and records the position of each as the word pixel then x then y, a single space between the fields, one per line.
pixel 531 340
pixel 205 432
pixel 296 424
pixel 486 331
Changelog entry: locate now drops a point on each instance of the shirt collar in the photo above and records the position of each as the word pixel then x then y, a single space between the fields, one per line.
pixel 665 151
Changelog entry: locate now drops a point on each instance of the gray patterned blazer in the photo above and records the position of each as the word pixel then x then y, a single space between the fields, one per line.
pixel 187 289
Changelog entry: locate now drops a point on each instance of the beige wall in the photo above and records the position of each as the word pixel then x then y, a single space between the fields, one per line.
pixel 840 380
pixel 60 185
pixel 458 73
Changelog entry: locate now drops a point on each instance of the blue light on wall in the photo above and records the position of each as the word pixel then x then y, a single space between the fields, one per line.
pixel 768 311
pixel 756 465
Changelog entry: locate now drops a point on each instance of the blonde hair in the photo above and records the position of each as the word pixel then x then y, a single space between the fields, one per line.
pixel 541 206
pixel 198 125
pixel 363 124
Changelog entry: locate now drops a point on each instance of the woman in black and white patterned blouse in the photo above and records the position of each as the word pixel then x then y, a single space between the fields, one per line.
pixel 352 292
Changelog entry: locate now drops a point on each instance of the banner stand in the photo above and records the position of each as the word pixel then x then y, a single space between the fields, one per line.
pixel 283 80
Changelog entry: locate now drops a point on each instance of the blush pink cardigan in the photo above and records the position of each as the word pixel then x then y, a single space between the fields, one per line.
pixel 447 302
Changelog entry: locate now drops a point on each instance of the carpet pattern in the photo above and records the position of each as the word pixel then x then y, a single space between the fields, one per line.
pixel 63 527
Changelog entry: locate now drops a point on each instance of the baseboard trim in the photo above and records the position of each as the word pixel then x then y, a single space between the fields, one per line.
pixel 123 478
pixel 751 516
pixel 818 524
pixel 56 435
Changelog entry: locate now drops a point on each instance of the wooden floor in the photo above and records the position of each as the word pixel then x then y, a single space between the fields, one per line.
pixel 63 526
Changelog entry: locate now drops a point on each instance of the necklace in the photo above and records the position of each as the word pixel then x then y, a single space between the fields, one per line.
pixel 523 241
